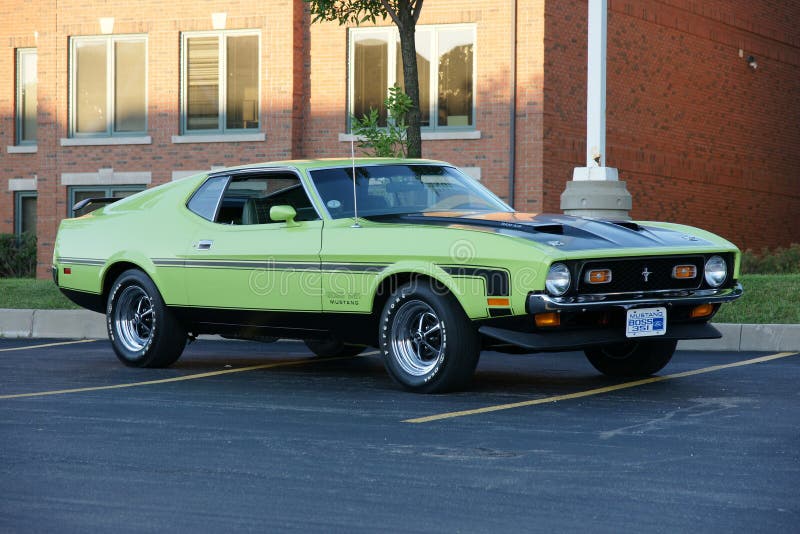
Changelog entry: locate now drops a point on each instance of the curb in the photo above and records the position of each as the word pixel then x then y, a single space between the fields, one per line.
pixel 85 324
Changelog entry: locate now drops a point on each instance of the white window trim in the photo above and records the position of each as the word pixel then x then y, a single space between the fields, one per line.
pixel 180 175
pixel 219 138
pixel 106 177
pixel 18 101
pixel 221 130
pixel 31 148
pixel 389 32
pixel 119 139
pixel 22 184
pixel 109 40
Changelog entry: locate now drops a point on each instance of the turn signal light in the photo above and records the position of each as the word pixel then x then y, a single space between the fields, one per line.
pixel 497 302
pixel 684 272
pixel 598 276
pixel 547 319
pixel 704 310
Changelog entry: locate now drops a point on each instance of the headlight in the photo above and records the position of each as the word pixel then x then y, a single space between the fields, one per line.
pixel 558 279
pixel 716 271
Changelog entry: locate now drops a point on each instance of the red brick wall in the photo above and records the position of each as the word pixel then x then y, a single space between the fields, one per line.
pixel 699 137
pixel 163 24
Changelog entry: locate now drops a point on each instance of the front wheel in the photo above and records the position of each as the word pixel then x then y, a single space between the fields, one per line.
pixel 142 330
pixel 642 358
pixel 428 343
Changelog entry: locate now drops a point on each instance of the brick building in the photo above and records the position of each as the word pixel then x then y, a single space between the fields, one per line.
pixel 106 98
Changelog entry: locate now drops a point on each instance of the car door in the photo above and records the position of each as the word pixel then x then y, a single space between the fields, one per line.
pixel 242 259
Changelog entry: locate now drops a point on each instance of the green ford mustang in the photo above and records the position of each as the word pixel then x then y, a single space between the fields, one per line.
pixel 411 256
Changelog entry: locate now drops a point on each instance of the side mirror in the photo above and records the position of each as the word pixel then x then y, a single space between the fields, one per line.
pixel 283 213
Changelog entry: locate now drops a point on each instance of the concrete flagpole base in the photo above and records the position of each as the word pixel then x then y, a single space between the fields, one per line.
pixel 603 199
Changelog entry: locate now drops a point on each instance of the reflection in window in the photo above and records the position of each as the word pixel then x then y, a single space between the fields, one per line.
pixel 445 67
pixel 130 83
pixel 370 75
pixel 221 94
pixel 90 87
pixel 242 97
pixel 423 44
pixel 109 85
pixel 455 79
pixel 25 212
pixel 26 95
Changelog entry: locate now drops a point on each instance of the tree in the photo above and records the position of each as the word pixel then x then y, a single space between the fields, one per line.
pixel 404 14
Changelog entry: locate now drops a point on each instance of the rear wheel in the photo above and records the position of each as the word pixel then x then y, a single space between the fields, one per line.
pixel 642 358
pixel 142 330
pixel 333 348
pixel 428 343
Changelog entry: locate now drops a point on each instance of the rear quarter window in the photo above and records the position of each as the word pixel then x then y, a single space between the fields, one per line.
pixel 205 200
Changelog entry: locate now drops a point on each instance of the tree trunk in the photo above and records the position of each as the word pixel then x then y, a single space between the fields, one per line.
pixel 406 25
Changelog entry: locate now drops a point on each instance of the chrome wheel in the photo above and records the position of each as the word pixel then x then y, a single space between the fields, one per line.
pixel 418 338
pixel 134 318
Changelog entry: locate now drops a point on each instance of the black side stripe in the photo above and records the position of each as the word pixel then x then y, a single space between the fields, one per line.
pixel 81 261
pixel 497 280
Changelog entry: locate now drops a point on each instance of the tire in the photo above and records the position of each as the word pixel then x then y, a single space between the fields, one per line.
pixel 333 348
pixel 642 358
pixel 142 330
pixel 428 343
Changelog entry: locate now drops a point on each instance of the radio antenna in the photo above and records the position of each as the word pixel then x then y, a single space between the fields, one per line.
pixel 355 198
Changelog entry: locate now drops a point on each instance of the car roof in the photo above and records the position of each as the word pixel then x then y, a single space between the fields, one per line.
pixel 333 162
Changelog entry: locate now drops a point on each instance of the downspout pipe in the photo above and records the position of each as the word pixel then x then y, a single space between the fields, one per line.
pixel 512 137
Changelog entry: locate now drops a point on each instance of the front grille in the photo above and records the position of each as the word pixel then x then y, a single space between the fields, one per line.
pixel 641 275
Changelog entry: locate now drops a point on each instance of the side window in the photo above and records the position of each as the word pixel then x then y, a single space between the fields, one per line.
pixel 205 200
pixel 248 199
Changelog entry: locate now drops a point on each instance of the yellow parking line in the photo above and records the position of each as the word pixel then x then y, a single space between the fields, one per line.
pixel 49 345
pixel 597 391
pixel 185 377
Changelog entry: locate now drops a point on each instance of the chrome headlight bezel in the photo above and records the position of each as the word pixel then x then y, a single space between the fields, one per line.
pixel 715 271
pixel 559 279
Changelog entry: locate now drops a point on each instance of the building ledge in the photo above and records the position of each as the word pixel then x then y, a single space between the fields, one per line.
pixel 426 136
pixel 219 138
pixel 22 149
pixel 104 141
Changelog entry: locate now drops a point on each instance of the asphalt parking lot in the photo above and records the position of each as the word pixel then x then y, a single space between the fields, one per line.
pixel 245 436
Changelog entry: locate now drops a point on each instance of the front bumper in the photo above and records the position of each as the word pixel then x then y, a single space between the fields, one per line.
pixel 540 303
pixel 593 337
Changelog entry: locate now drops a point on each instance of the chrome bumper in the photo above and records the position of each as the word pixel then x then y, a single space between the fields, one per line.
pixel 539 303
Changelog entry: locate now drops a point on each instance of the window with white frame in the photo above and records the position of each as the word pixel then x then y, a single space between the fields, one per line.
pixel 108 85
pixel 78 193
pixel 445 63
pixel 26 96
pixel 220 81
pixel 25 212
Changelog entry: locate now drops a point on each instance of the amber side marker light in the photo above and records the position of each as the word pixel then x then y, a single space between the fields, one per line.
pixel 704 310
pixel 547 319
pixel 497 302
pixel 598 276
pixel 684 272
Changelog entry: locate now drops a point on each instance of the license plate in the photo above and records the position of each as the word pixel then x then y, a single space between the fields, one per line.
pixel 646 322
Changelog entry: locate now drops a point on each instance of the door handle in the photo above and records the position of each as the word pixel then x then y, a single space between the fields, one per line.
pixel 204 244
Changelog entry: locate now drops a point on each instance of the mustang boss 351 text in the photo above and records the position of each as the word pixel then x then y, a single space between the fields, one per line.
pixel 414 257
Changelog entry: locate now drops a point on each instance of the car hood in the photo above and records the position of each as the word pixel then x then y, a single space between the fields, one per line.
pixel 562 232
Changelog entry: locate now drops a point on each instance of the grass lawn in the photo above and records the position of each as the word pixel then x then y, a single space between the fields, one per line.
pixel 32 293
pixel 768 298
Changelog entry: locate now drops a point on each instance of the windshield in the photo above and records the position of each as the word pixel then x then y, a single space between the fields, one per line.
pixel 396 189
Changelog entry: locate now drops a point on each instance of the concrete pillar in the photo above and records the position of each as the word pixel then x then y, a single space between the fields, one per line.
pixel 595 190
